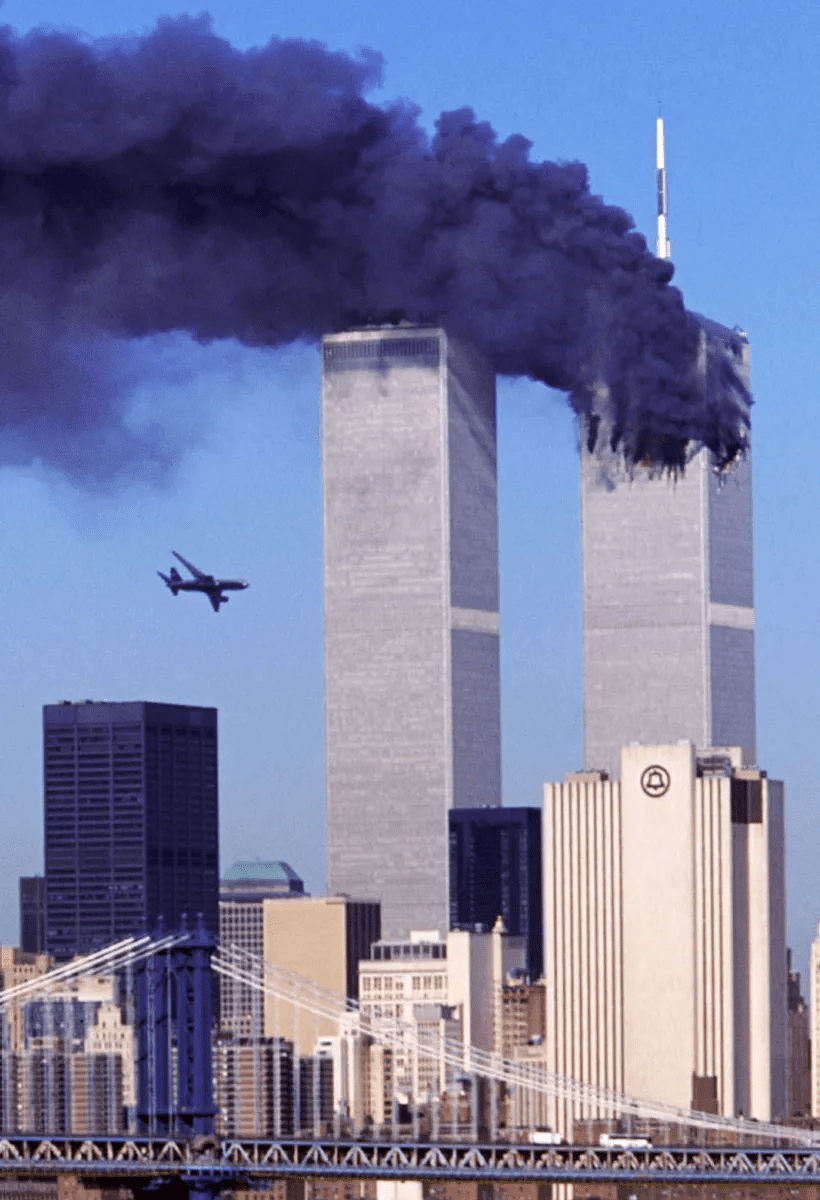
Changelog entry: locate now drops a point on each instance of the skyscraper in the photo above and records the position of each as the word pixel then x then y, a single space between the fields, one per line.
pixel 131 820
pixel 411 611
pixel 32 913
pixel 495 871
pixel 668 599
pixel 665 934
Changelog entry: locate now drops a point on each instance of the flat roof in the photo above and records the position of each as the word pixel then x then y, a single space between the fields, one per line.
pixel 257 871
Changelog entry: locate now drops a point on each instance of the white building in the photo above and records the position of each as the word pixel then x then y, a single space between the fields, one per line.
pixel 665 950
pixel 814 995
pixel 429 988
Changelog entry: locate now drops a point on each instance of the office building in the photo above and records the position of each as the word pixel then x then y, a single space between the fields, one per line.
pixel 255 880
pixel 429 988
pixel 17 967
pixel 799 1046
pixel 495 871
pixel 318 942
pixel 32 914
pixel 131 821
pixel 253 1087
pixel 411 612
pixel 668 609
pixel 665 949
pixel 242 890
pixel 814 1000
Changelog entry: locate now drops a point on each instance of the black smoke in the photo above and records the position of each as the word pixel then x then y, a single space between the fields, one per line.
pixel 172 182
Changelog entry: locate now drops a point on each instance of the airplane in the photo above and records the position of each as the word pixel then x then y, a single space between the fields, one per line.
pixel 213 588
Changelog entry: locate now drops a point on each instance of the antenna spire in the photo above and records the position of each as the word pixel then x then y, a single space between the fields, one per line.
pixel 664 249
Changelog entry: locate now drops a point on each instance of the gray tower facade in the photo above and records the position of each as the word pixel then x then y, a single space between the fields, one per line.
pixel 668 602
pixel 412 698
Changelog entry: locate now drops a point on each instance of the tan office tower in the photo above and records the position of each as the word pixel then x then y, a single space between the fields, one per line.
pixel 665 944
pixel 412 706
pixel 668 603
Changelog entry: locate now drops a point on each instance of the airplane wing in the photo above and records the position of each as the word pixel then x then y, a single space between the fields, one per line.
pixel 195 571
pixel 215 599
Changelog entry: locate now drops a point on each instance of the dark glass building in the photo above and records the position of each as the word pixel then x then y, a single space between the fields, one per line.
pixel 496 871
pixel 32 914
pixel 131 820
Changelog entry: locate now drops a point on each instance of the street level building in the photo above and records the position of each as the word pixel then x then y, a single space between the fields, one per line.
pixel 665 947
pixel 412 705
pixel 668 607
pixel 131 820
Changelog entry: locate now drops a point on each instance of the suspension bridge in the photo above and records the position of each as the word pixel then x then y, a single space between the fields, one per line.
pixel 114 1069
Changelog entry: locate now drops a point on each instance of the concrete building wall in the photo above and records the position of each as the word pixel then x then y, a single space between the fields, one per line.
pixel 714 964
pixel 411 612
pixel 583 930
pixel 668 602
pixel 659 922
pixel 665 956
pixel 311 938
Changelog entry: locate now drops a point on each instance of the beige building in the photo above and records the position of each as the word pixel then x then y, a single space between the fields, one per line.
pixel 320 939
pixel 665 954
pixel 18 967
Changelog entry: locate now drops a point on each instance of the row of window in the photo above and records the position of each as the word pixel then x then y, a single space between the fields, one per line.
pixel 426 983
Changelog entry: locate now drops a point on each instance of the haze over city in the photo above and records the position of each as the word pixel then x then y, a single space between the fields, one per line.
pixel 84 614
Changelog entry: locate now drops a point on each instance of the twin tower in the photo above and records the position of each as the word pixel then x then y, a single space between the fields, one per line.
pixel 412 610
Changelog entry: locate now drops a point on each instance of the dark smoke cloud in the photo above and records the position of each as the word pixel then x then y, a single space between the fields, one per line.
pixel 172 182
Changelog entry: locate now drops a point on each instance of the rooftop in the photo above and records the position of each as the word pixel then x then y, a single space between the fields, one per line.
pixel 257 871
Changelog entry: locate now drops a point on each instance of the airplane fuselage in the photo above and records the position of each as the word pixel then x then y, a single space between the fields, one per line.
pixel 209 585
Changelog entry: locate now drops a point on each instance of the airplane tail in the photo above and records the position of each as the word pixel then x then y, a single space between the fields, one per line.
pixel 175 579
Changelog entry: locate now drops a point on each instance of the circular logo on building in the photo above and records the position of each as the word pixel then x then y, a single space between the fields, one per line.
pixel 655 781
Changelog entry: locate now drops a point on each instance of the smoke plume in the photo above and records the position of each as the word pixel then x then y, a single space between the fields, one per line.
pixel 172 182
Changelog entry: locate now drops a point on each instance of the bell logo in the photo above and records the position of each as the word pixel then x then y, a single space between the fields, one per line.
pixel 655 781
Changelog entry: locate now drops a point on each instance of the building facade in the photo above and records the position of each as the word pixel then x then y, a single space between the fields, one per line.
pixel 665 949
pixel 814 1001
pixel 429 988
pixel 242 890
pixel 799 1046
pixel 318 941
pixel 32 914
pixel 131 820
pixel 495 871
pixel 412 705
pixel 668 607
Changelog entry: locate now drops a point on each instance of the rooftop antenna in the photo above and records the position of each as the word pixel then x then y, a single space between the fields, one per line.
pixel 664 245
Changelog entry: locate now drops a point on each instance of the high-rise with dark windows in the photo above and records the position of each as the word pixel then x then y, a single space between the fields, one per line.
pixel 32 913
pixel 495 871
pixel 131 820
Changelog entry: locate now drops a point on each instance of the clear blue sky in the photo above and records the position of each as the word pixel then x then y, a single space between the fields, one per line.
pixel 83 613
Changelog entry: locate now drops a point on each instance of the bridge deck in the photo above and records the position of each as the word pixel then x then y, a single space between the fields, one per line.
pixel 236 1160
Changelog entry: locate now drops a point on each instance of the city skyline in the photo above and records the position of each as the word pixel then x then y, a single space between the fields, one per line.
pixel 84 613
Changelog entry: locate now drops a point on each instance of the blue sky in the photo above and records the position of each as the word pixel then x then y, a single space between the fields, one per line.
pixel 83 611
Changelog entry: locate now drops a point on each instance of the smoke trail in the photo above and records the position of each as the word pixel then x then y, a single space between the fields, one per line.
pixel 172 182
